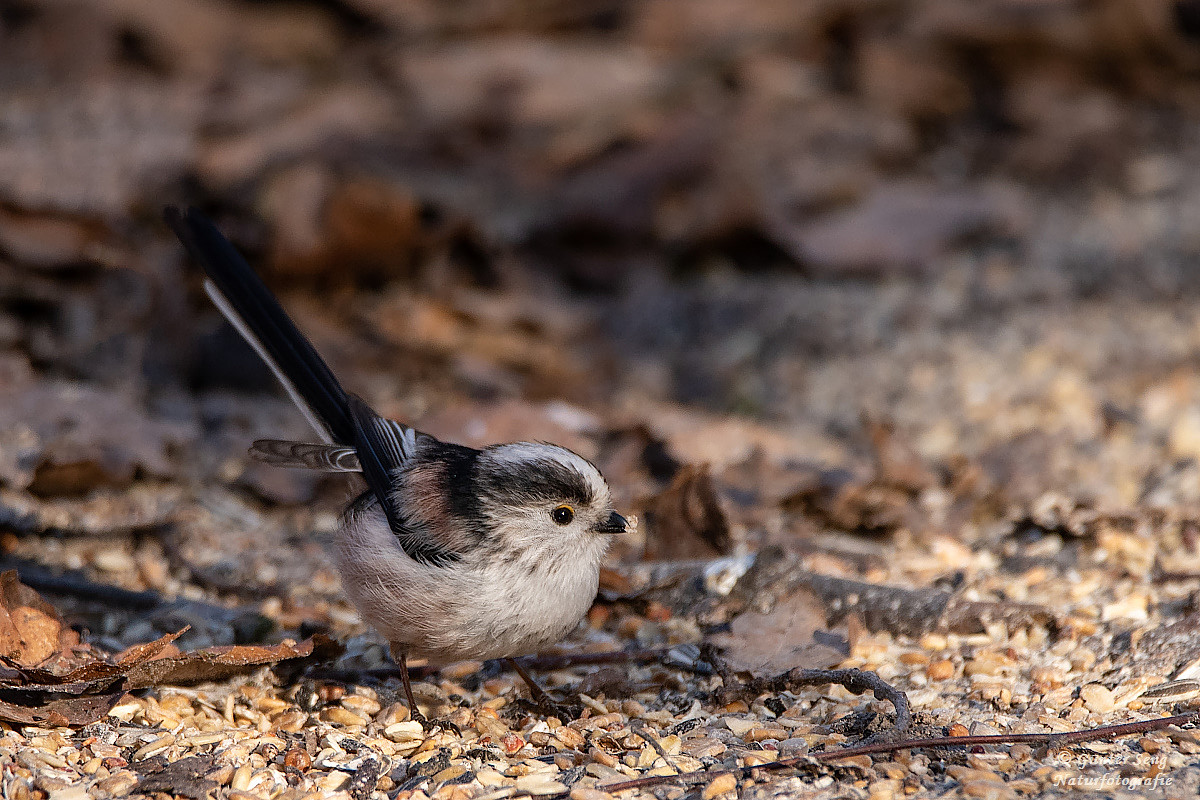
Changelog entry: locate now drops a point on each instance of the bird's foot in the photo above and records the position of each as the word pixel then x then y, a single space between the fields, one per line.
pixel 437 723
pixel 548 707
pixel 542 701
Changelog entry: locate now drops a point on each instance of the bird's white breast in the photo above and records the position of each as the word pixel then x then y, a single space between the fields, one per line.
pixel 481 607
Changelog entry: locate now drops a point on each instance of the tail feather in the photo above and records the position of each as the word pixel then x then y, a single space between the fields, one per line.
pixel 251 308
pixel 357 439
pixel 306 455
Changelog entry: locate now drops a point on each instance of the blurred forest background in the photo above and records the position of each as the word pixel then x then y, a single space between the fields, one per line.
pixel 943 253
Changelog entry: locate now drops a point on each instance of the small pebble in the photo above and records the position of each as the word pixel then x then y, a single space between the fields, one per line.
pixel 722 784
pixel 588 793
pixel 600 757
pixel 460 669
pixel 539 784
pixel 341 716
pixel 569 737
pixel 763 734
pixel 113 560
pixel 740 727
pixel 941 670
pixel 450 773
pixel 992 788
pixel 77 792
pixel 297 758
pixel 1097 698
pixel 884 789
pixel 703 747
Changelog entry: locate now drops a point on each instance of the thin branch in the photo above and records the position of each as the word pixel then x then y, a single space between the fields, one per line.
pixel 641 730
pixel 554 661
pixel 74 583
pixel 1045 739
pixel 855 680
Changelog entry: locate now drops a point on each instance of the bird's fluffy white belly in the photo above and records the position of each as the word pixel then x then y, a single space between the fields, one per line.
pixel 468 610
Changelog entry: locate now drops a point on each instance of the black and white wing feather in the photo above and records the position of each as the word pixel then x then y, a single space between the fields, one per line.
pixel 306 455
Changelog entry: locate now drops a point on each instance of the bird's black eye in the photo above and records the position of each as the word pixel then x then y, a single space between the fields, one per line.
pixel 563 515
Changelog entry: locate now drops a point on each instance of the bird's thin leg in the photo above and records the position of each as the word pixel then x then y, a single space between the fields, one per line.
pixel 537 692
pixel 398 657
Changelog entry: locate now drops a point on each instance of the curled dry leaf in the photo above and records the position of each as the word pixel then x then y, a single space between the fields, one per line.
pixel 92 677
pixel 31 633
pixel 686 520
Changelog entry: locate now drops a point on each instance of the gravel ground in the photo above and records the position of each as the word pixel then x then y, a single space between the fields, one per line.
pixel 1031 476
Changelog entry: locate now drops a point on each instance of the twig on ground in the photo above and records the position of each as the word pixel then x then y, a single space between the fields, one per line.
pixel 855 680
pixel 567 660
pixel 648 737
pixel 74 583
pixel 1044 739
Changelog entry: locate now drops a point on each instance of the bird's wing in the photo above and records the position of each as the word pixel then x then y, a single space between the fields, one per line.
pixel 383 446
pixel 423 524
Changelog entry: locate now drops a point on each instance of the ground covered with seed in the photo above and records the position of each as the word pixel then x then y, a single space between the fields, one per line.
pixel 884 319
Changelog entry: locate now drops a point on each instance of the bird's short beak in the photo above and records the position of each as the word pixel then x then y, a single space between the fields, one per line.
pixel 613 523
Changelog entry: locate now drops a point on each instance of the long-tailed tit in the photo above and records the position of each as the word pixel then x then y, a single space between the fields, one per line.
pixel 451 553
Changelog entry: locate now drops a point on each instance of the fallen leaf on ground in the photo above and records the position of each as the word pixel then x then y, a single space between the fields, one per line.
pixel 219 663
pixel 790 635
pixel 31 632
pixel 686 520
pixel 64 712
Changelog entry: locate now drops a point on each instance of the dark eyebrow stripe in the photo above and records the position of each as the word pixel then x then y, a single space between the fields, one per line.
pixel 539 481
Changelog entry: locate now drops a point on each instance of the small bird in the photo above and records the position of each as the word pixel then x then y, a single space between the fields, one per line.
pixel 452 553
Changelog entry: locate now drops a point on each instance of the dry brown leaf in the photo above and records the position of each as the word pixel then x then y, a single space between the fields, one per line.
pixel 30 628
pixel 93 676
pixel 62 712
pixel 219 663
pixel 686 520
pixel 77 438
pixel 31 632
pixel 790 635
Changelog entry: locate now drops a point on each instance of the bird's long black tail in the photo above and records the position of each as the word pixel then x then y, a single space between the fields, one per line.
pixel 251 308
pixel 381 446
